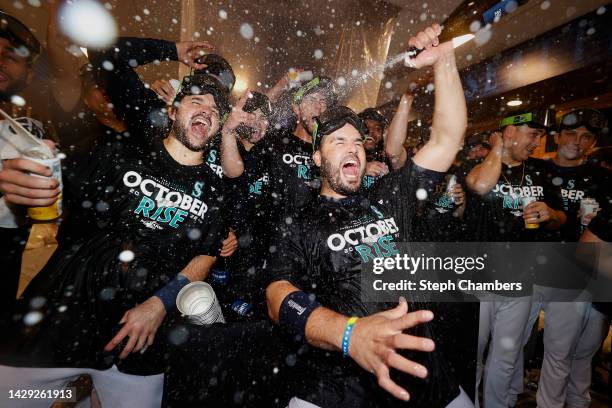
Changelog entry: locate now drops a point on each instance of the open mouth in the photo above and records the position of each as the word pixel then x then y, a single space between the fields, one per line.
pixel 350 169
pixel 200 125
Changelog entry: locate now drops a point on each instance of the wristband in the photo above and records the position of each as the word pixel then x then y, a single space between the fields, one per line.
pixel 168 293
pixel 295 310
pixel 346 338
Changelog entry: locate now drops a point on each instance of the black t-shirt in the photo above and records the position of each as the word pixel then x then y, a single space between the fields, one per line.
pixel 146 217
pixel 78 130
pixel 293 183
pixel 498 215
pixel 601 225
pixel 321 252
pixel 575 183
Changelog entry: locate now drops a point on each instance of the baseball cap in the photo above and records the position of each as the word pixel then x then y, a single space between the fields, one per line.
pixel 333 119
pixel 203 84
pixel 20 36
pixel 218 67
pixel 373 114
pixel 537 119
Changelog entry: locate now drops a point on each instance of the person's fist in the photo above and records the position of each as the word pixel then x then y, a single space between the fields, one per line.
pixel 427 41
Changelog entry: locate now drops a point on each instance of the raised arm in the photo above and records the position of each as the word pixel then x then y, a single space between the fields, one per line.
pixel 450 111
pixel 231 161
pixel 396 135
pixel 134 101
pixel 483 177
pixel 65 78
pixel 374 338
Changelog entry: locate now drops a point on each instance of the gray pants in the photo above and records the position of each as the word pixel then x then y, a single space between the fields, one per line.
pixel 114 388
pixel 501 326
pixel 563 323
pixel 594 333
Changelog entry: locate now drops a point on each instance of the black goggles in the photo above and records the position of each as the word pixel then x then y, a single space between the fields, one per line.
pixel 333 119
pixel 592 119
pixel 258 101
pixel 203 84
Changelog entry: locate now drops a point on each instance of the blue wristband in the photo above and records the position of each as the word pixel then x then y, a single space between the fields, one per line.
pixel 168 293
pixel 294 312
pixel 346 338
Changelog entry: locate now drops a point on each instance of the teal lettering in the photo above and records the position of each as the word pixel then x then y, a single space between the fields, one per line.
pixel 168 212
pixel 255 188
pixel 146 205
pixel 197 189
pixel 157 213
pixel 212 156
pixel 303 172
pixel 179 216
pixel 388 246
pixel 365 252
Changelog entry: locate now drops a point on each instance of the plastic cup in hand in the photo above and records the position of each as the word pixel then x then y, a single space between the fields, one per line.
pixel 587 206
pixel 53 211
pixel 198 303
pixel 525 201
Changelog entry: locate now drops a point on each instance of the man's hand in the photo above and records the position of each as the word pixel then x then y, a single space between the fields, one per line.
pixel 164 90
pixel 376 169
pixel 458 194
pixel 587 218
pixel 140 324
pixel 21 187
pixel 238 116
pixel 537 212
pixel 189 52
pixel 427 40
pixel 376 338
pixel 230 244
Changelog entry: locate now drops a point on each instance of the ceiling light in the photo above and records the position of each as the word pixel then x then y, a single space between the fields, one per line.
pixel 514 102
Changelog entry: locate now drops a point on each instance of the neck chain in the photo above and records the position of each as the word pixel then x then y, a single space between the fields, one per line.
pixel 508 181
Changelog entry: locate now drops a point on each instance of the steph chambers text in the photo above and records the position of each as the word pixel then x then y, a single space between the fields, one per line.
pixel 461 285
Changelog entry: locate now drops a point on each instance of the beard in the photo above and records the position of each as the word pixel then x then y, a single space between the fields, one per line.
pixel 13 88
pixel 333 176
pixel 181 132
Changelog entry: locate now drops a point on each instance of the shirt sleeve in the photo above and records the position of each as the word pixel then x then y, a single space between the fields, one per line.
pixel 133 102
pixel 288 261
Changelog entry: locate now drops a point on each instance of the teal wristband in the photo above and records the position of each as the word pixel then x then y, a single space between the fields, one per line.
pixel 346 338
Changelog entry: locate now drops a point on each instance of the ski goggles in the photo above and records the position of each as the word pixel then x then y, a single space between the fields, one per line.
pixel 258 101
pixel 323 84
pixel 203 84
pixel 592 119
pixel 333 119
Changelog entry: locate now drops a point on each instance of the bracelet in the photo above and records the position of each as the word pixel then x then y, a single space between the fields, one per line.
pixel 346 338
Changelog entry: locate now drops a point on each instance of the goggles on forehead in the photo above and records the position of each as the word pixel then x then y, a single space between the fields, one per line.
pixel 316 84
pixel 333 119
pixel 592 119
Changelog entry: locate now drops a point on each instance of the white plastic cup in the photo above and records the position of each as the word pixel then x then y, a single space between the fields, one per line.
pixel 525 201
pixel 198 303
pixel 452 182
pixel 53 211
pixel 587 206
